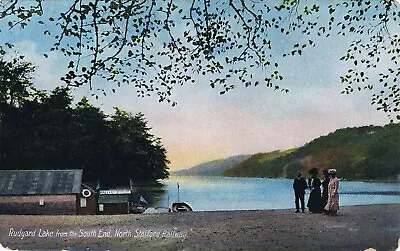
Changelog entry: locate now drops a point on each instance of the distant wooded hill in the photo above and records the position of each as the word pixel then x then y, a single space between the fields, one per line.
pixel 363 153
pixel 213 168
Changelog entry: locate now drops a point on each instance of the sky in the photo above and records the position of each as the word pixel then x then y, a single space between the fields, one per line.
pixel 206 126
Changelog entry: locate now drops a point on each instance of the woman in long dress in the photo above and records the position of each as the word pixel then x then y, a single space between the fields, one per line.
pixel 333 195
pixel 315 201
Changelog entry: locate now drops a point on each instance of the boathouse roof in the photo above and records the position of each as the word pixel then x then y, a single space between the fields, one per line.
pixel 40 182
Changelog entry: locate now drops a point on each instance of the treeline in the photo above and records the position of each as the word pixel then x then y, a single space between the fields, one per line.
pixel 40 130
pixel 363 153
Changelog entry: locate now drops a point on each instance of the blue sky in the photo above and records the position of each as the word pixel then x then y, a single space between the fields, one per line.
pixel 206 126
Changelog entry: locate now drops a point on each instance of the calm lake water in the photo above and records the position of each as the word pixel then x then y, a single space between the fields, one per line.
pixel 226 193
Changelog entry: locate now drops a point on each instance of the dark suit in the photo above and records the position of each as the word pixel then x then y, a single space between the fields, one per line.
pixel 299 186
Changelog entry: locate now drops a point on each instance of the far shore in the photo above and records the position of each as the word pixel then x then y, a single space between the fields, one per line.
pixel 391 180
pixel 354 228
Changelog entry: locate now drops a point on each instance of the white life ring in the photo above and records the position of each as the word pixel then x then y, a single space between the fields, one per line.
pixel 86 193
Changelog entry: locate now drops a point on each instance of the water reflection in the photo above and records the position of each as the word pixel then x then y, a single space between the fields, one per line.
pixel 227 193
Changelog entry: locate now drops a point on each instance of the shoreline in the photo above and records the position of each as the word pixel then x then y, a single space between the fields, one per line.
pixel 354 228
pixel 394 180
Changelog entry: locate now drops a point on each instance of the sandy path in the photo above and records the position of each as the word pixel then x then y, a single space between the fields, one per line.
pixel 355 228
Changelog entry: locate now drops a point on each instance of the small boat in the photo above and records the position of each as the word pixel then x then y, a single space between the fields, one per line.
pixel 181 207
pixel 137 209
pixel 140 207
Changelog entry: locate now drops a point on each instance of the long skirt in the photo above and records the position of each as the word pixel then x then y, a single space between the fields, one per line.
pixel 315 201
pixel 333 203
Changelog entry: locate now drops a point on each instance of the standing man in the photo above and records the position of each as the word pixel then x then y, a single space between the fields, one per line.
pixel 299 186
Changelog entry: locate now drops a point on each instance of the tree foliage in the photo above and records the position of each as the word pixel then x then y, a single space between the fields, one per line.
pixel 15 83
pixel 226 42
pixel 42 130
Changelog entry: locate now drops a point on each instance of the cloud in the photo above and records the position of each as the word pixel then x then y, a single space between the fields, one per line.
pixel 47 75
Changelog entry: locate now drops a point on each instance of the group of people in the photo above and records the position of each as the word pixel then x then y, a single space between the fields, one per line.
pixel 327 202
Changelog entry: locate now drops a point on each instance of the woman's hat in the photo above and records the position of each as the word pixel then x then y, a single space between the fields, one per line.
pixel 332 170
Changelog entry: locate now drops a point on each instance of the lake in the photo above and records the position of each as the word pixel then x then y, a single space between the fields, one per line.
pixel 228 193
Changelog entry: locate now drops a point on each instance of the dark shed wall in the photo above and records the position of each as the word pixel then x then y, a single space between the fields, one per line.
pixel 116 208
pixel 53 204
pixel 90 205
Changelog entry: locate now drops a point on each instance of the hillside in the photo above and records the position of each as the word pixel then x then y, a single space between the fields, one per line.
pixel 212 168
pixel 251 166
pixel 363 153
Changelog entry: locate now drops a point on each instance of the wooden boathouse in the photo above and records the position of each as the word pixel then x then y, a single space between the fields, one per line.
pixel 47 192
